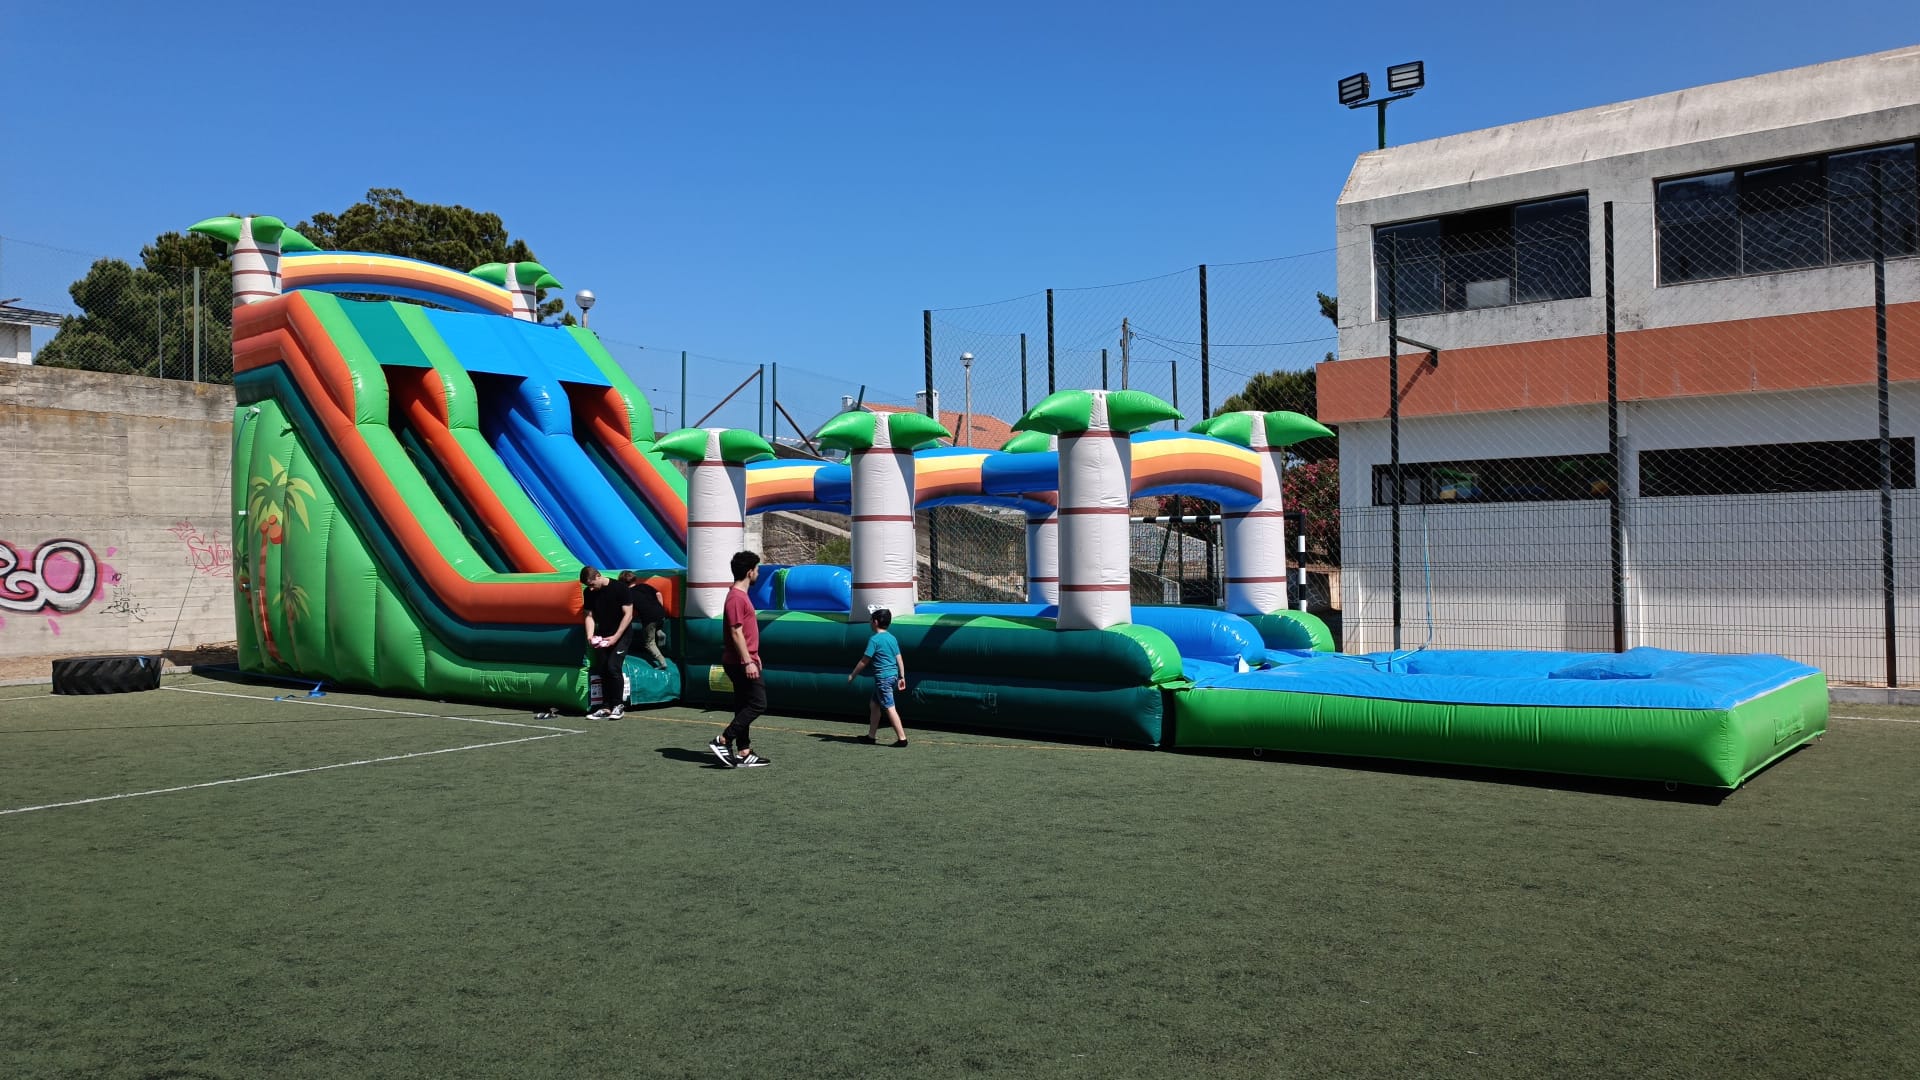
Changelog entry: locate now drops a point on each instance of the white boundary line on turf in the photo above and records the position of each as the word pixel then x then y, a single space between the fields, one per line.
pixel 1881 719
pixel 276 775
pixel 371 709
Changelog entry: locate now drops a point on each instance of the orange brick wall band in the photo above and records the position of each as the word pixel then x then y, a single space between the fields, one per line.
pixel 1776 353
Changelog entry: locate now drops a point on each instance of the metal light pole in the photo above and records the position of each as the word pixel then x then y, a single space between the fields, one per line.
pixel 1402 81
pixel 584 298
pixel 966 415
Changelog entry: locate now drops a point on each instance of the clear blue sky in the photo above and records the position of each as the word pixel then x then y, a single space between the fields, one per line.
pixel 794 183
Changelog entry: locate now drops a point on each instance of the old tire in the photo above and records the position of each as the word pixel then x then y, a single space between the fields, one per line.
pixel 106 674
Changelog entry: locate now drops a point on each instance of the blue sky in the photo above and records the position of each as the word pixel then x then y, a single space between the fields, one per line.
pixel 794 183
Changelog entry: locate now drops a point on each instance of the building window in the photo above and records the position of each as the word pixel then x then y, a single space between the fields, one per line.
pixel 1788 215
pixel 1778 467
pixel 1534 479
pixel 1484 258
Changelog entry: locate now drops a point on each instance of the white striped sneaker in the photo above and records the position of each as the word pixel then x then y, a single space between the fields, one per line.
pixel 750 761
pixel 719 748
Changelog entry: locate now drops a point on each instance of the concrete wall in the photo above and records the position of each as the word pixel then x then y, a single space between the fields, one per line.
pixel 123 481
pixel 16 343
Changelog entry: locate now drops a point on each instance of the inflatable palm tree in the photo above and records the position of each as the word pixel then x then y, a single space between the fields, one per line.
pixel 524 280
pixel 880 457
pixel 256 242
pixel 1096 473
pixel 1256 538
pixel 716 507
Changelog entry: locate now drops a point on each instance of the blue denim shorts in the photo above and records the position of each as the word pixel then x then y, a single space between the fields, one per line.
pixel 883 692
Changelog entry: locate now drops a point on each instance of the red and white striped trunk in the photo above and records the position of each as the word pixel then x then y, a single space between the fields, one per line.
pixel 716 528
pixel 1096 473
pixel 885 558
pixel 526 300
pixel 256 267
pixel 1256 537
pixel 1043 551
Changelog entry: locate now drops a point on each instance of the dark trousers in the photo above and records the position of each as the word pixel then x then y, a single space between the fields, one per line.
pixel 749 701
pixel 608 672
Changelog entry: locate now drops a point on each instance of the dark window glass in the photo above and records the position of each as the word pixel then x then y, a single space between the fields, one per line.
pixel 1550 250
pixel 1850 186
pixel 1535 479
pixel 1789 215
pixel 1699 228
pixel 1783 217
pixel 1779 467
pixel 1485 258
pixel 1417 267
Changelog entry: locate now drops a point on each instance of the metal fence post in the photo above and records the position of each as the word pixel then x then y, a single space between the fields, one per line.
pixel 196 324
pixel 1886 432
pixel 1049 341
pixel 1023 374
pixel 1393 419
pixel 1616 528
pixel 1206 366
pixel 933 410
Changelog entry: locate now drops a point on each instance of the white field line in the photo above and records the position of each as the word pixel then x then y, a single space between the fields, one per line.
pixel 1881 719
pixel 371 709
pixel 276 775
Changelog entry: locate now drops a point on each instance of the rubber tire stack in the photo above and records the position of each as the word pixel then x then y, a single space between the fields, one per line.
pixel 106 674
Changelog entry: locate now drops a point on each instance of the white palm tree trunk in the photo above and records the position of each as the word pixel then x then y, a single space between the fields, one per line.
pixel 1256 538
pixel 885 557
pixel 1096 469
pixel 256 267
pixel 716 528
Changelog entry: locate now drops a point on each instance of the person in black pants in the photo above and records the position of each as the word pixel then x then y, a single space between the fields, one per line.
pixel 740 656
pixel 609 610
pixel 648 619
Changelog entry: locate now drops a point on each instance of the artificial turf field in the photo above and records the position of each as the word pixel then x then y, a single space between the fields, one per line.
pixel 612 903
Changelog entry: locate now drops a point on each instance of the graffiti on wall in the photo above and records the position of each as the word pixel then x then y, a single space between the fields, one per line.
pixel 57 577
pixel 206 552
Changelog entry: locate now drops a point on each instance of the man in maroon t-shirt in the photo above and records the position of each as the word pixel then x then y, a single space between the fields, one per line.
pixel 740 656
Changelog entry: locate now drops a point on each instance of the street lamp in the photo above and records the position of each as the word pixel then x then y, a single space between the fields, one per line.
pixel 1402 81
pixel 966 417
pixel 584 298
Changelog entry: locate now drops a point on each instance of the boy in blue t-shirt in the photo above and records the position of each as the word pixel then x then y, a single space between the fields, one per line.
pixel 889 674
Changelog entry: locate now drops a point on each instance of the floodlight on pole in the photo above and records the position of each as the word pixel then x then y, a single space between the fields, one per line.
pixel 1402 81
pixel 966 415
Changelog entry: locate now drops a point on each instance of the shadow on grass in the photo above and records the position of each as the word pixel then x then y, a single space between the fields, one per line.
pixel 851 740
pixel 1651 790
pixel 692 757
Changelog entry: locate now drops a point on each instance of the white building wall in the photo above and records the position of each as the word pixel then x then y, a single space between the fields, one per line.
pixel 16 344
pixel 1794 574
pixel 1701 572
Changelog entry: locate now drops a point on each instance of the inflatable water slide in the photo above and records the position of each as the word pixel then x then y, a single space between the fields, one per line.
pixel 416 488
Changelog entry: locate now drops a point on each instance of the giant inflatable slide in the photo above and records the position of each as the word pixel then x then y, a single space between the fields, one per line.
pixel 422 468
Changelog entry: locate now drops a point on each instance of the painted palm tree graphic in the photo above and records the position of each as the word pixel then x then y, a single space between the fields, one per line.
pixel 269 500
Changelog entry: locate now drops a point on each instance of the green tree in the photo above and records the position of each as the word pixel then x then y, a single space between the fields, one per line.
pixel 1291 391
pixel 389 223
pixel 139 320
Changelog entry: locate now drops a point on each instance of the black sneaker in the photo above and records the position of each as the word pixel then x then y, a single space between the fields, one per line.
pixel 618 712
pixel 750 760
pixel 899 744
pixel 868 739
pixel 719 748
pixel 599 714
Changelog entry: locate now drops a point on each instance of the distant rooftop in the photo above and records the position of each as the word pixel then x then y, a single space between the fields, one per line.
pixel 1858 85
pixel 26 316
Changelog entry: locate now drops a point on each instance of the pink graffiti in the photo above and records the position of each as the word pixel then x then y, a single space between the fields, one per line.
pixel 209 555
pixel 61 576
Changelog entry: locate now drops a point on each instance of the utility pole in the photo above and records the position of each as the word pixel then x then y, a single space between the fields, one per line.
pixel 1126 351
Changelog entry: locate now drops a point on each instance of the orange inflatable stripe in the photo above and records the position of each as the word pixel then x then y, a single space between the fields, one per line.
pixel 607 420
pixel 288 330
pixel 419 392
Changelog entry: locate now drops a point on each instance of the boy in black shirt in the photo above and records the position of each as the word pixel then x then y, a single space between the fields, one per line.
pixel 648 618
pixel 609 610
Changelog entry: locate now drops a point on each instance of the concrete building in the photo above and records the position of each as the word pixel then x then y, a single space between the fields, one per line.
pixel 1746 354
pixel 16 331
